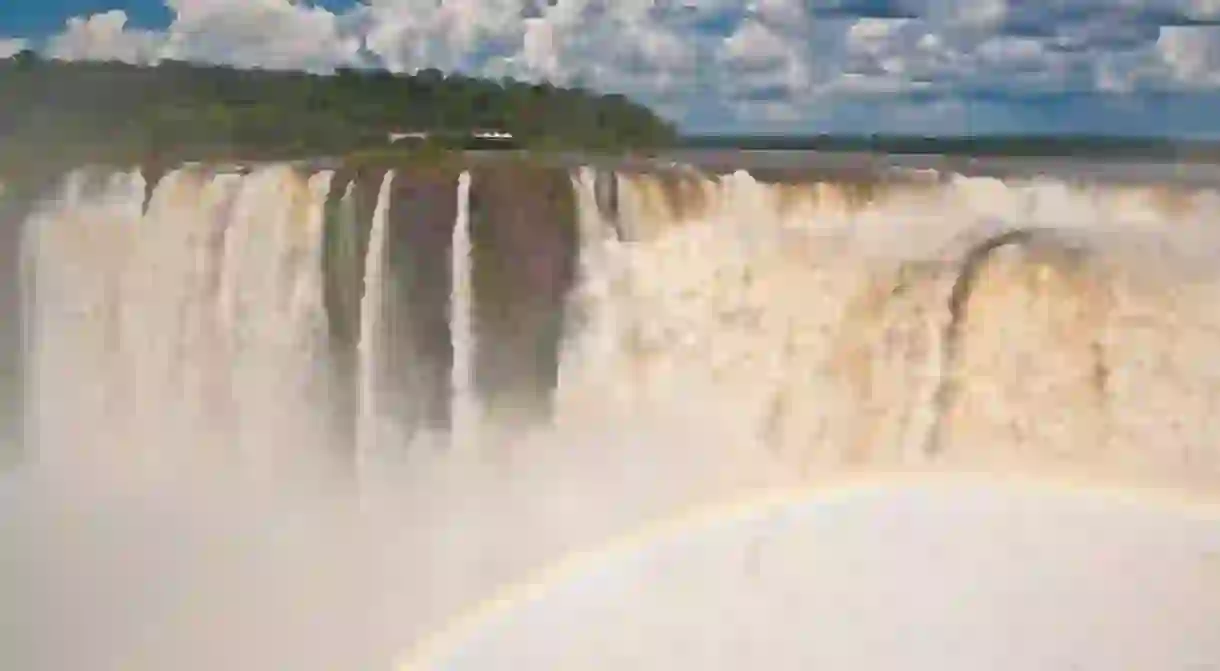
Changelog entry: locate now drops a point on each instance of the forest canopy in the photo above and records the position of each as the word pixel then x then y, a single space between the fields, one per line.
pixel 183 111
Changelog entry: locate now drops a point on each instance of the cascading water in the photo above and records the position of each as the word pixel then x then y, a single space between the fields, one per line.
pixel 599 348
pixel 368 429
pixel 193 331
pixel 465 405
pixel 911 328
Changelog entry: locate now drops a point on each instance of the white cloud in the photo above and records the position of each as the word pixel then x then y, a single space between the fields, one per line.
pixel 105 36
pixel 964 13
pixel 763 71
pixel 1192 54
pixel 265 33
pixel 12 46
pixel 1203 10
pixel 789 14
pixel 754 48
pixel 758 58
pixel 410 34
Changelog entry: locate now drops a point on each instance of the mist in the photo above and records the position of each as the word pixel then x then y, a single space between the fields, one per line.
pixel 200 572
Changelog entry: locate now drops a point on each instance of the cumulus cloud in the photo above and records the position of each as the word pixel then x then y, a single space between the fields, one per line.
pixel 105 36
pixel 754 47
pixel 747 59
pixel 1192 54
pixel 456 34
pixel 266 33
pixel 263 33
pixel 12 46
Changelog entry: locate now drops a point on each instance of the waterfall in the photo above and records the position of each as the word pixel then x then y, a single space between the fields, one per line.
pixel 190 331
pixel 465 405
pixel 368 430
pixel 535 358
pixel 835 325
pixel 830 323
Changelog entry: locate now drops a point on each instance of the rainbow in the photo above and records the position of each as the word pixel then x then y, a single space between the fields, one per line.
pixel 433 648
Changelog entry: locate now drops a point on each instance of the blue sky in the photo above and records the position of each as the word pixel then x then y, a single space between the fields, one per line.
pixel 42 18
pixel 916 66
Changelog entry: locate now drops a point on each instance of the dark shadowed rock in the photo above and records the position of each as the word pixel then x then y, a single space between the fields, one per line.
pixel 605 191
pixel 153 172
pixel 345 246
pixel 417 354
pixel 523 230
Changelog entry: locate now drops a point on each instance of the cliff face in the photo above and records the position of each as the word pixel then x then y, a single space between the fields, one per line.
pixel 512 361
pixel 523 228
pixel 835 321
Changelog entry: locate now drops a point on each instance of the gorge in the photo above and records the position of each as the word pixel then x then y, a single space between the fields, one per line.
pixel 505 360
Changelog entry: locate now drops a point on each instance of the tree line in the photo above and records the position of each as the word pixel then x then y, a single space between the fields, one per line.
pixel 184 111
pixel 1084 146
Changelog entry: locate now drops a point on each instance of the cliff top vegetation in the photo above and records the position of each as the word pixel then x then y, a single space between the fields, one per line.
pixel 65 113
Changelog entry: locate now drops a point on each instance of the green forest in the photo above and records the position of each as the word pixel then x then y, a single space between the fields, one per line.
pixel 55 111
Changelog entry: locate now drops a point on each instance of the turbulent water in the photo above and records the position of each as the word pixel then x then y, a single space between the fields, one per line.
pixel 524 359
